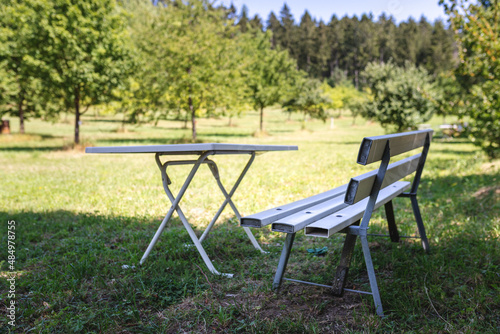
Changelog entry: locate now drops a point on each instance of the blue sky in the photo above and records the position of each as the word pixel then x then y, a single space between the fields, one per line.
pixel 323 9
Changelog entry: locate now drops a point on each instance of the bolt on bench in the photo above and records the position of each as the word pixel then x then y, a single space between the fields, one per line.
pixel 348 208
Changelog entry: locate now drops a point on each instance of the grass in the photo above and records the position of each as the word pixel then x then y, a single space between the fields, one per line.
pixel 80 218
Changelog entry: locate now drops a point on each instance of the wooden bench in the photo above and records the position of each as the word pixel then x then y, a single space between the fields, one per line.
pixel 348 208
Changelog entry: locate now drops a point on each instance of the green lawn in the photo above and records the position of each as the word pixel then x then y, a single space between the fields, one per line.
pixel 79 218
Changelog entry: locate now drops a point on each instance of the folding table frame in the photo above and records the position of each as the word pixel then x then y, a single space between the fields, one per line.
pixel 204 151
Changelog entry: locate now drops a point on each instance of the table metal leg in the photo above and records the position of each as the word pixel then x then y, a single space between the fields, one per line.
pixel 213 168
pixel 175 203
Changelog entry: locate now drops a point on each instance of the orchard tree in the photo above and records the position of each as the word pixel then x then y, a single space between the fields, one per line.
pixel 21 67
pixel 402 96
pixel 477 32
pixel 188 60
pixel 269 74
pixel 307 97
pixel 86 51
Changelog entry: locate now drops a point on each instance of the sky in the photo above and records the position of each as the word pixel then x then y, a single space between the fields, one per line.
pixel 401 10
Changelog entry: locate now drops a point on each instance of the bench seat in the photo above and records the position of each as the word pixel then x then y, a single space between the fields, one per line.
pixel 350 214
pixel 269 216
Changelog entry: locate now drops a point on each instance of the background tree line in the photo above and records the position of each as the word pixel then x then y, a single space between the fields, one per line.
pixel 344 47
pixel 189 59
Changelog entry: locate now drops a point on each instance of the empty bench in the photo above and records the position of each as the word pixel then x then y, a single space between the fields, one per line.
pixel 348 208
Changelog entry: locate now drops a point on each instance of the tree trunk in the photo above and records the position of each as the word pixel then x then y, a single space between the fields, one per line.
pixel 186 119
pixel 77 116
pixel 21 115
pixel 193 118
pixel 261 119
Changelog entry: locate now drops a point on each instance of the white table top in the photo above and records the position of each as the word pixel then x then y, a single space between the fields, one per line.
pixel 217 148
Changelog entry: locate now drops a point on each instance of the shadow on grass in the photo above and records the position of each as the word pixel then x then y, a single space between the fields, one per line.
pixel 84 267
pixel 73 277
pixel 30 148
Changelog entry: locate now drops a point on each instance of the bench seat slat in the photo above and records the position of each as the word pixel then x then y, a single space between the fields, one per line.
pixel 372 148
pixel 301 219
pixel 361 186
pixel 343 218
pixel 269 216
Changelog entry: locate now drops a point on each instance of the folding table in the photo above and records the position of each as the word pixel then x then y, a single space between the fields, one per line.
pixel 203 151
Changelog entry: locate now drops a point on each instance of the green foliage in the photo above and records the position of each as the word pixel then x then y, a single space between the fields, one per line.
pixel 21 65
pixel 308 99
pixel 478 37
pixel 269 73
pixel 402 96
pixel 188 60
pixel 8 88
pixel 350 43
pixel 86 51
pixel 345 96
pixel 449 95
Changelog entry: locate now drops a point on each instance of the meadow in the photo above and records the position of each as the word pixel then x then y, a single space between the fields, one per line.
pixel 80 218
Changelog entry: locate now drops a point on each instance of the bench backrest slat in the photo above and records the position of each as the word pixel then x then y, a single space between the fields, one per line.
pixel 361 186
pixel 372 148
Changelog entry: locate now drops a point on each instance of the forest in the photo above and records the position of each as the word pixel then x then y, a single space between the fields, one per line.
pixel 188 59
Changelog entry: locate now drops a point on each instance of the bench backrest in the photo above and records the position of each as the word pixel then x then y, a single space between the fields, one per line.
pixel 382 148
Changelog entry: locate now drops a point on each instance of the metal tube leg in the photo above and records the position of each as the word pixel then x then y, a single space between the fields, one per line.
pixel 340 280
pixel 391 222
pixel 371 276
pixel 420 223
pixel 228 200
pixel 285 254
pixel 192 235
pixel 174 204
pixel 157 235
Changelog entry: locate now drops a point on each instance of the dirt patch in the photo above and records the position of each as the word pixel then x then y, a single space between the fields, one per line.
pixel 294 303
pixel 484 192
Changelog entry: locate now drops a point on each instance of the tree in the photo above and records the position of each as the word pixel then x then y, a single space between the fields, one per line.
pixel 386 38
pixel 406 42
pixel 268 74
pixel 288 39
pixel 22 93
pixel 344 96
pixel 321 51
pixel 477 32
pixel 243 20
pixel 190 61
pixel 309 99
pixel 85 49
pixel 402 96
pixel 256 23
pixel 274 25
pixel 306 39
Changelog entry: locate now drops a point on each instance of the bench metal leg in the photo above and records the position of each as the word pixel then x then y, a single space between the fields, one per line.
pixel 391 222
pixel 371 275
pixel 285 254
pixel 420 223
pixel 342 271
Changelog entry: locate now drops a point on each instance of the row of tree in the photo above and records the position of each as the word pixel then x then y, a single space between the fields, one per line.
pixel 189 59
pixel 348 44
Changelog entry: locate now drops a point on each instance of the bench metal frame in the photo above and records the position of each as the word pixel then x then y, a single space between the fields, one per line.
pixel 359 228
